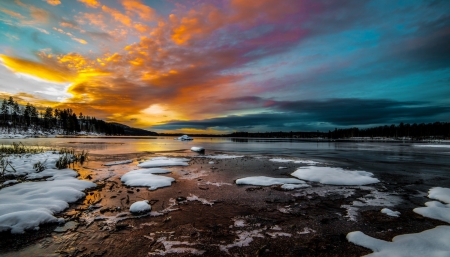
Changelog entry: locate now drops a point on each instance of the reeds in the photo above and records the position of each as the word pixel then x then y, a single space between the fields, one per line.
pixel 19 148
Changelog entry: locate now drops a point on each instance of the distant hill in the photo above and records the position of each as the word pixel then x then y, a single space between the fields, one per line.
pixel 129 131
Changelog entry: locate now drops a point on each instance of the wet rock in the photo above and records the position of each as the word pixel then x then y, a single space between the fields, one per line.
pixel 68 226
pixel 181 199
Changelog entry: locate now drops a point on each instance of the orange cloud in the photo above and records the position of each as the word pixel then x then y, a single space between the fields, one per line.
pixel 118 16
pixel 39 70
pixel 79 40
pixel 12 13
pixel 53 2
pixel 145 12
pixel 90 3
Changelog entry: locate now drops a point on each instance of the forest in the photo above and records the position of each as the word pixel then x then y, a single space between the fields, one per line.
pixel 16 117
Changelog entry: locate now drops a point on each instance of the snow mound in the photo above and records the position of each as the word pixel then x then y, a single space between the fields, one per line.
pixel 308 162
pixel 390 212
pixel 27 205
pixel 145 177
pixel 432 242
pixel 164 161
pixel 118 163
pixel 267 181
pixel 434 209
pixel 335 176
pixel 197 149
pixel 140 207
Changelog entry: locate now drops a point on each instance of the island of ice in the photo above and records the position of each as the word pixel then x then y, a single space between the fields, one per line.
pixel 335 176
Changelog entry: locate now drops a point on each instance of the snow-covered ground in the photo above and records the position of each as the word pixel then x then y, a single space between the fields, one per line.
pixel 432 242
pixel 27 205
pixel 21 134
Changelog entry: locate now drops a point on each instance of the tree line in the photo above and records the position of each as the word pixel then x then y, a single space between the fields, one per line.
pixel 436 130
pixel 19 117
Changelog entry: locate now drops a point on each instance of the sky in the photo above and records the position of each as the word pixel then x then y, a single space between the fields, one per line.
pixel 220 66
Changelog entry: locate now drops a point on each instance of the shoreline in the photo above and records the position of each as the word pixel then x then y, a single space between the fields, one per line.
pixel 222 217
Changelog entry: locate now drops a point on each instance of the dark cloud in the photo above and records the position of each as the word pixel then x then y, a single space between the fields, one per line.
pixel 294 115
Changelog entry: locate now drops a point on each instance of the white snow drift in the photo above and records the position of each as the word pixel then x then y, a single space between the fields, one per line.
pixel 308 162
pixel 164 161
pixel 335 176
pixel 432 242
pixel 27 205
pixel 197 149
pixel 435 209
pixel 146 177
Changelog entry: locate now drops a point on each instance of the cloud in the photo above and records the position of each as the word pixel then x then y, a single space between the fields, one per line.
pixel 91 3
pixel 53 2
pixel 294 115
pixel 144 12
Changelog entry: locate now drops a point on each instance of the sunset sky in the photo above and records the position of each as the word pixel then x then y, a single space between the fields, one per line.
pixel 219 66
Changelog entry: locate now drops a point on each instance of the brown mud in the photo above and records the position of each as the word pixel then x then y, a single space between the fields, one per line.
pixel 205 213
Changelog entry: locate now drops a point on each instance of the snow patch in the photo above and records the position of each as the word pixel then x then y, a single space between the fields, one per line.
pixel 335 176
pixel 432 242
pixel 434 209
pixel 145 177
pixel 140 207
pixel 390 212
pixel 27 205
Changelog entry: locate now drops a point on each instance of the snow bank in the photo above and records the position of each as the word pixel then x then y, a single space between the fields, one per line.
pixel 140 207
pixel 390 212
pixel 267 181
pixel 434 209
pixel 118 163
pixel 27 205
pixel 335 176
pixel 145 177
pixel 309 162
pixel 23 163
pixel 164 161
pixel 432 242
